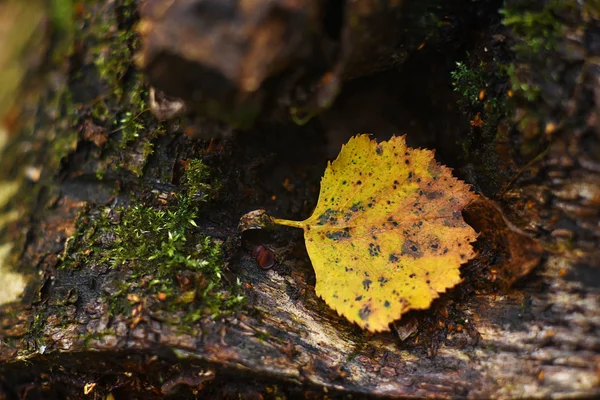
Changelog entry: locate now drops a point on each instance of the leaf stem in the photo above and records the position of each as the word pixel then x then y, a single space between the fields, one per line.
pixel 286 222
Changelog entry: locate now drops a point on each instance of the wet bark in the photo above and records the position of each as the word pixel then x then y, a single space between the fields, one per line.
pixel 100 317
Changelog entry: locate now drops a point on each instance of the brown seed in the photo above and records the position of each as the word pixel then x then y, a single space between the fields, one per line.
pixel 264 257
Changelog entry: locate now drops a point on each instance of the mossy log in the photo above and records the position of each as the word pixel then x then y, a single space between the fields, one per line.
pixel 140 286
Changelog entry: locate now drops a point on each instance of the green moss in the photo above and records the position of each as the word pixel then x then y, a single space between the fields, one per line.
pixel 537 34
pixel 540 31
pixel 65 135
pixel 130 123
pixel 196 181
pixel 528 90
pixel 468 82
pixel 111 42
pixel 484 101
pixel 158 255
pixel 537 30
pixel 473 83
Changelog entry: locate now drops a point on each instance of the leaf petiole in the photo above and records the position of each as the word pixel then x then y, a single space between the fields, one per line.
pixel 285 222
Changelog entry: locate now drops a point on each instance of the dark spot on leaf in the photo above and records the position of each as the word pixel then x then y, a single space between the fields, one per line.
pixel 393 258
pixel 386 304
pixel 359 298
pixel 412 275
pixel 374 250
pixel 357 207
pixel 359 182
pixel 337 235
pixel 367 284
pixel 411 248
pixel 364 313
pixel 379 150
pixel 434 195
pixel 328 215
pixel 382 281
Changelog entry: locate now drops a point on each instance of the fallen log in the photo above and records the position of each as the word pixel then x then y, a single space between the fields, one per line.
pixel 140 285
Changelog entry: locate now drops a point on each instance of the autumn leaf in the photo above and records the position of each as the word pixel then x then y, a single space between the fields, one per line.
pixel 387 234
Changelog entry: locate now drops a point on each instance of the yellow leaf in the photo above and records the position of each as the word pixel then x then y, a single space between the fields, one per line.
pixel 387 235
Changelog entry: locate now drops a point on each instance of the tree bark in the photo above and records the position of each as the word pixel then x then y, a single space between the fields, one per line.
pixel 139 284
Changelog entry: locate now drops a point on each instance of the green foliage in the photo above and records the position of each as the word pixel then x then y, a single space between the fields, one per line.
pixel 157 248
pixel 196 180
pixel 111 41
pixel 149 234
pixel 537 34
pixel 130 123
pixel 112 47
pixel 483 99
pixel 541 38
pixel 528 90
pixel 537 30
pixel 468 81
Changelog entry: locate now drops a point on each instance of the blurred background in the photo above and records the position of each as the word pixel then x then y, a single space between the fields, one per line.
pixel 23 27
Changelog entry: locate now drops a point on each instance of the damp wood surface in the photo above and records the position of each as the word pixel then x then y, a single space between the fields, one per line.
pixel 106 187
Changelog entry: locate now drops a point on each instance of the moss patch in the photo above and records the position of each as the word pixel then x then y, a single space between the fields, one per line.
pixel 483 99
pixel 537 29
pixel 121 113
pixel 199 182
pixel 540 31
pixel 161 258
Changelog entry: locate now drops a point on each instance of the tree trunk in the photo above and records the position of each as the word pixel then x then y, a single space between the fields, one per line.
pixel 139 284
